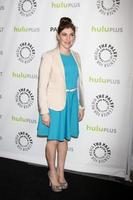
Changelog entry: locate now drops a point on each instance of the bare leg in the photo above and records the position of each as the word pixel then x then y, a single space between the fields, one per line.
pixel 51 149
pixel 62 151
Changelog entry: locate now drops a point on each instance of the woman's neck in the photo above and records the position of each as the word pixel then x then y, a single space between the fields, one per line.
pixel 64 51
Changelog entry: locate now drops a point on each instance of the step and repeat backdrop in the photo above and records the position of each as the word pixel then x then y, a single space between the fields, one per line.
pixel 103 40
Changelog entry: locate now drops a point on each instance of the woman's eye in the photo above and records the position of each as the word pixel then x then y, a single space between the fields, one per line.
pixel 64 34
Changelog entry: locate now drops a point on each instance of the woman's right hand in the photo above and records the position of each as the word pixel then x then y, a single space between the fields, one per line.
pixel 46 119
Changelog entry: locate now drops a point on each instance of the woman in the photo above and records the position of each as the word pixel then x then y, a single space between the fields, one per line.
pixel 61 102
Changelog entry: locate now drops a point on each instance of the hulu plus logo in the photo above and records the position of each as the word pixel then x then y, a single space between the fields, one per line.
pixel 106 29
pixel 65 5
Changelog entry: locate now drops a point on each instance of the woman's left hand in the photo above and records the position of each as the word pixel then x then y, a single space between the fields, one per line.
pixel 81 114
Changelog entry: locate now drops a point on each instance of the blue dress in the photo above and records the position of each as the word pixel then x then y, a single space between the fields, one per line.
pixel 64 124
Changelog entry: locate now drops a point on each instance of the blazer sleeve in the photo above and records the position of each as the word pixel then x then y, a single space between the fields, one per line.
pixel 80 86
pixel 43 80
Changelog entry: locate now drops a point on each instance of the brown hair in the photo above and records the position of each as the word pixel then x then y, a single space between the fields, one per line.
pixel 65 22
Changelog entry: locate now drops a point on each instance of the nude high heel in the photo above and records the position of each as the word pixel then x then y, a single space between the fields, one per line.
pixel 64 185
pixel 55 188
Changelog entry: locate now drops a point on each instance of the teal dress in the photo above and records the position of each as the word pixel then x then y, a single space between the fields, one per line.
pixel 64 124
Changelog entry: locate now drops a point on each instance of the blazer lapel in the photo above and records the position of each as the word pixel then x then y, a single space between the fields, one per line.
pixel 61 66
pixel 76 60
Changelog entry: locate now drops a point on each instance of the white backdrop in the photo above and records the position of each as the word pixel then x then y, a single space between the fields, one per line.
pixel 104 40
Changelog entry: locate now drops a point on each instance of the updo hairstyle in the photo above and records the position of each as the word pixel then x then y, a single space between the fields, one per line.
pixel 65 22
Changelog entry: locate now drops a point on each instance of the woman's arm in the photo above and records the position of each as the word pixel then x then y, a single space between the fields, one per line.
pixel 80 86
pixel 43 80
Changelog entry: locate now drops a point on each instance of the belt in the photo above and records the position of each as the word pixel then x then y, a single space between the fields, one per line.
pixel 71 90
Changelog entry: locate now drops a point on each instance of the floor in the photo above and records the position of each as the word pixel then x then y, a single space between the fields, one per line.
pixel 22 181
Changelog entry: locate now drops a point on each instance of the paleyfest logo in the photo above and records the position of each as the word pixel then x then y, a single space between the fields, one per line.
pixel 102 105
pixel 105 55
pixel 27 7
pixel 99 152
pixel 108 7
pixel 25 52
pixel 24 98
pixel 23 141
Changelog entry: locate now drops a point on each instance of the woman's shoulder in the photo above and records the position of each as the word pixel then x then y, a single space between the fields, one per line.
pixel 76 54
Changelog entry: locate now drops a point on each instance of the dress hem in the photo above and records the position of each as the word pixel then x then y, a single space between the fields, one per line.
pixel 68 139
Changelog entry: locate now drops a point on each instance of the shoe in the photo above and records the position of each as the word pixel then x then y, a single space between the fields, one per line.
pixel 64 185
pixel 55 188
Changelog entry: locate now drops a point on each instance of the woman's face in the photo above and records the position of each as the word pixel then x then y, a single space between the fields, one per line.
pixel 66 38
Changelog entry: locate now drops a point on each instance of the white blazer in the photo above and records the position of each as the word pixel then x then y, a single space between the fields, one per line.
pixel 51 82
